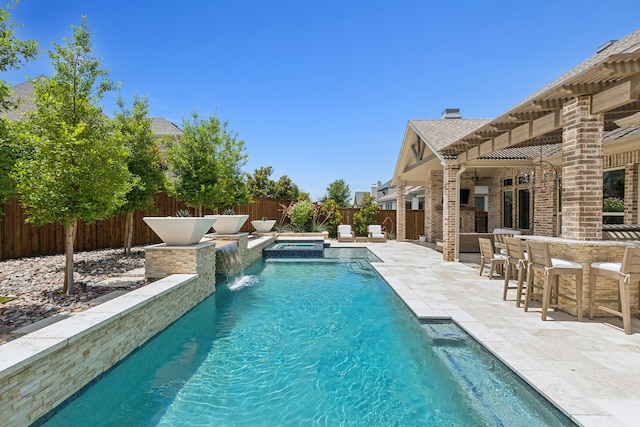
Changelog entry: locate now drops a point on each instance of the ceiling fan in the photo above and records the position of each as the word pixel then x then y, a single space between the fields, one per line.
pixel 475 176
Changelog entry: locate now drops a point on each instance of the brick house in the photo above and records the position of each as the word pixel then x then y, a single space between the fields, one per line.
pixel 560 163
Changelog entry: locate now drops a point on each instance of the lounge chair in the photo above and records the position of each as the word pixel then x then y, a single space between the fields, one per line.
pixel 345 234
pixel 376 234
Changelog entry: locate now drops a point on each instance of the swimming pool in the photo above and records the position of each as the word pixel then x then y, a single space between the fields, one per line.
pixel 321 342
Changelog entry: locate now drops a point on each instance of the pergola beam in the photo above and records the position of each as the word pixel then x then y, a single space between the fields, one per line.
pixel 619 95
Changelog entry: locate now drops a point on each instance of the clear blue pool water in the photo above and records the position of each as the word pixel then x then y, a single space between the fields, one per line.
pixel 309 343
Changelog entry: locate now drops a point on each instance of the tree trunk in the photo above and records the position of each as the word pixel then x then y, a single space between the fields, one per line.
pixel 128 233
pixel 68 267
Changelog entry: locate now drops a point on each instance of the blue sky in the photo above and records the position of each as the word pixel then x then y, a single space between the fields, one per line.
pixel 323 90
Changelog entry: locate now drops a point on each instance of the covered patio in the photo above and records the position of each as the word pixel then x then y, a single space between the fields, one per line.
pixel 543 163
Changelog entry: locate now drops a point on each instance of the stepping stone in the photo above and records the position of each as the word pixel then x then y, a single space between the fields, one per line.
pixel 108 297
pixel 42 323
pixel 119 282
pixel 135 272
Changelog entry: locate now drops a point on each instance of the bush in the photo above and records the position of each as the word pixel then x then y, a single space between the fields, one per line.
pixel 366 215
pixel 301 214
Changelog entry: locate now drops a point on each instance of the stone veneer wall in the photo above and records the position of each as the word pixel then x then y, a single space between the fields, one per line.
pixel 42 369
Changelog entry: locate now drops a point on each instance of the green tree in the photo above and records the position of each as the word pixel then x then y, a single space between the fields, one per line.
pixel 205 165
pixel 13 54
pixel 77 168
pixel 260 185
pixel 284 188
pixel 145 162
pixel 366 215
pixel 339 191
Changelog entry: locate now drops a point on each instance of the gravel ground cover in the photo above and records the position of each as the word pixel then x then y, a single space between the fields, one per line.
pixel 35 285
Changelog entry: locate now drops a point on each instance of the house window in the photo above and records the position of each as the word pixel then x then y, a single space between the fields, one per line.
pixel 507 209
pixel 523 210
pixel 613 196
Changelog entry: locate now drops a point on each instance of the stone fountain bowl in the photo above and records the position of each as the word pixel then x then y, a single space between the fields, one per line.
pixel 179 231
pixel 228 224
pixel 264 225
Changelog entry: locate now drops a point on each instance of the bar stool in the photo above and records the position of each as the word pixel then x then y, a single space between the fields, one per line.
pixel 540 260
pixel 517 259
pixel 626 272
pixel 489 256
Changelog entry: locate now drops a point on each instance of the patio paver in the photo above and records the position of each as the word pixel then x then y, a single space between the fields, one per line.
pixel 589 369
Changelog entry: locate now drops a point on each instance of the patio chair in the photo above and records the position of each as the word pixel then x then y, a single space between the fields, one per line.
pixel 345 234
pixel 516 261
pixel 375 234
pixel 488 256
pixel 540 260
pixel 626 273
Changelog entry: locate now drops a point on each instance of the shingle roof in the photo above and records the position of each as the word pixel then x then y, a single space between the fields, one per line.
pixel 441 133
pixel 605 70
pixel 23 93
pixel 524 153
pixel 163 127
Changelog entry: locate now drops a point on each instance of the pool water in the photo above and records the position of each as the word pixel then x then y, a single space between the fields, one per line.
pixel 323 342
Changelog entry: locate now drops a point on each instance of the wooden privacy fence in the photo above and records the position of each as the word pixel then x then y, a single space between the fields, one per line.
pixel 21 239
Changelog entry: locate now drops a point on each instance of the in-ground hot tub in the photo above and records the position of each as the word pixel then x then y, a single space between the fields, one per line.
pixel 290 248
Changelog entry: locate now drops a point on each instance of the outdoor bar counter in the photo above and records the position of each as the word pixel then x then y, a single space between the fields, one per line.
pixel 585 252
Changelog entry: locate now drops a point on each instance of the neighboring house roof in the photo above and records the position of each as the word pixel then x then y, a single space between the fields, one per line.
pixel 23 94
pixel 358 197
pixel 408 191
pixel 163 127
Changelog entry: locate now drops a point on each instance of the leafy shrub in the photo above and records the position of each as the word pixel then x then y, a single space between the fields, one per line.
pixel 330 216
pixel 366 215
pixel 301 214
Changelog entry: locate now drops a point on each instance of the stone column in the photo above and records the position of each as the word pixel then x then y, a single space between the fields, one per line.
pixel 401 213
pixel 449 212
pixel 582 164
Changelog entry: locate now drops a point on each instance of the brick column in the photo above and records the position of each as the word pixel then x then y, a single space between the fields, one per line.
pixel 401 213
pixel 631 194
pixel 449 212
pixel 428 209
pixel 581 171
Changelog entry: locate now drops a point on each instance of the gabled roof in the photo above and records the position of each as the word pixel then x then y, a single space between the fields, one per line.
pixel 439 134
pixel 163 127
pixel 423 143
pixel 23 94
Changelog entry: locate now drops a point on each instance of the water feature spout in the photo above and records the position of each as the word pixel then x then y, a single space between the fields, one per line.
pixel 231 262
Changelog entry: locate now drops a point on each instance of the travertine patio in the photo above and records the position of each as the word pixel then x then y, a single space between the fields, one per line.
pixel 591 370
